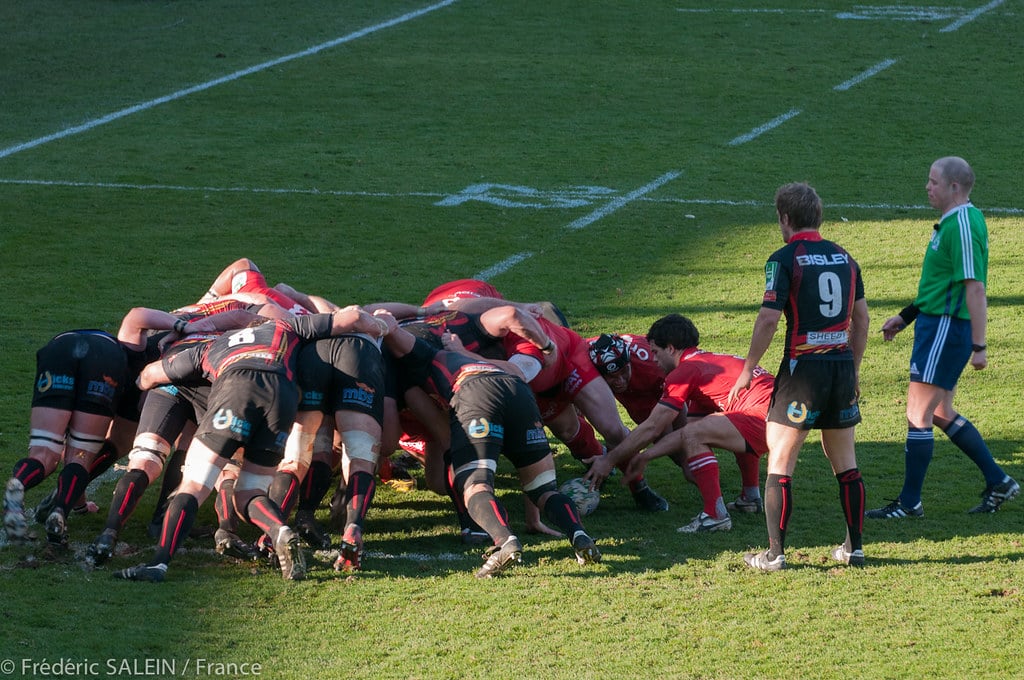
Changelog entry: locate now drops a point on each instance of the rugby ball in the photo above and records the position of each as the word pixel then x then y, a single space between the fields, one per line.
pixel 579 491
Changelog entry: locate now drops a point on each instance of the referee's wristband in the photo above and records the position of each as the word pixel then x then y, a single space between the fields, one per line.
pixel 909 313
pixel 978 348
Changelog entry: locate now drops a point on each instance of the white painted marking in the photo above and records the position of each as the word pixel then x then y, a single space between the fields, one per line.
pixel 503 195
pixel 874 70
pixel 761 129
pixel 617 203
pixel 137 108
pixel 971 16
pixel 502 266
pixel 209 189
pixel 433 194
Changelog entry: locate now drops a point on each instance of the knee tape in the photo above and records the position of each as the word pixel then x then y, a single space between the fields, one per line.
pixel 298 449
pixel 149 447
pixel 51 441
pixel 204 473
pixel 477 472
pixel 85 442
pixel 250 481
pixel 357 445
pixel 543 483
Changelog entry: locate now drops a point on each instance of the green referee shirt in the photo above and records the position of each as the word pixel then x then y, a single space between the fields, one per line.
pixel 957 252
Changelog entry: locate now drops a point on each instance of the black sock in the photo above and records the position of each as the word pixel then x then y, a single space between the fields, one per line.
pixel 171 480
pixel 71 484
pixel 560 509
pixel 224 504
pixel 103 461
pixel 315 485
pixel 178 520
pixel 284 491
pixel 29 472
pixel 127 493
pixel 358 496
pixel 264 514
pixel 778 505
pixel 851 497
pixel 488 512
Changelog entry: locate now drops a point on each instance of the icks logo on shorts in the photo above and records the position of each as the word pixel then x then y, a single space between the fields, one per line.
pixel 479 428
pixel 224 419
pixel 47 381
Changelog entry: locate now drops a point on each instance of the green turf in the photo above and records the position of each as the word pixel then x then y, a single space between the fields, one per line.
pixel 336 172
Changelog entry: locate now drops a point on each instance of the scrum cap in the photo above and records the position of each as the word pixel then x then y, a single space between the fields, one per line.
pixel 609 353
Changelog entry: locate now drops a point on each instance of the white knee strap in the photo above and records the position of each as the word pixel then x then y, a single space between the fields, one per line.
pixel 540 480
pixel 149 447
pixel 84 441
pixel 201 472
pixel 250 481
pixel 299 448
pixel 358 445
pixel 45 439
pixel 491 465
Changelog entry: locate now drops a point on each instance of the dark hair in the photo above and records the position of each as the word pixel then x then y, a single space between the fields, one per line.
pixel 800 202
pixel 674 330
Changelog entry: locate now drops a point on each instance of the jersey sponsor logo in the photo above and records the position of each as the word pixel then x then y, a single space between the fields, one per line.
pixel 312 398
pixel 771 275
pixel 827 338
pixel 480 428
pixel 62 383
pixel 362 395
pixel 574 382
pixel 225 419
pixel 99 388
pixel 536 435
pixel 823 260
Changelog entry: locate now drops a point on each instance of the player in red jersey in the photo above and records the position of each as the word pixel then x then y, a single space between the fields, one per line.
pixel 628 365
pixel 699 382
pixel 564 380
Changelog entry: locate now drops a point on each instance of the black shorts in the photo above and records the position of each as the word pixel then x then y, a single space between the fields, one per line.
pixel 165 413
pixel 493 413
pixel 344 373
pixel 81 371
pixel 815 395
pixel 251 409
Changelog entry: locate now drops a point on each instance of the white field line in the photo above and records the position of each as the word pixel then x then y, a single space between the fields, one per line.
pixel 502 266
pixel 137 108
pixel 970 16
pixel 209 189
pixel 874 70
pixel 761 129
pixel 430 194
pixel 617 203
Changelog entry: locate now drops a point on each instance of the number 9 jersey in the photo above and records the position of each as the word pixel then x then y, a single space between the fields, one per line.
pixel 814 282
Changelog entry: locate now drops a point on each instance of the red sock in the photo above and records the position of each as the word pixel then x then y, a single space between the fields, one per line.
pixel 704 468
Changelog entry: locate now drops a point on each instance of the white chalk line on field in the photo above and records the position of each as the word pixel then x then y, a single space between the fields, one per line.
pixel 861 77
pixel 761 129
pixel 137 108
pixel 436 194
pixel 971 16
pixel 617 203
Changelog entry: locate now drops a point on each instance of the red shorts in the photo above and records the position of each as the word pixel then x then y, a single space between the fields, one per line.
pixel 461 289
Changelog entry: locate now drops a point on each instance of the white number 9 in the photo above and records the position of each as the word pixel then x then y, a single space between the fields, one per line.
pixel 831 292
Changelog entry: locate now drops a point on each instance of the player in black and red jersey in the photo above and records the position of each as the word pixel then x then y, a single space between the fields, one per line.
pixel 252 404
pixel 492 413
pixel 818 286
pixel 85 407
